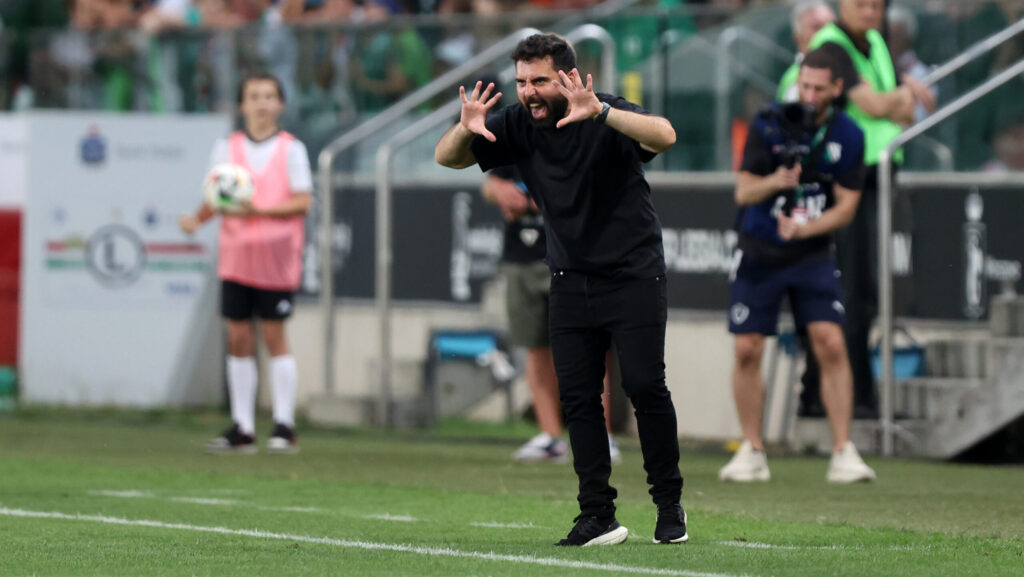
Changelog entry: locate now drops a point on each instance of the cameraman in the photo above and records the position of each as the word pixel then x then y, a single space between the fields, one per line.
pixel 802 172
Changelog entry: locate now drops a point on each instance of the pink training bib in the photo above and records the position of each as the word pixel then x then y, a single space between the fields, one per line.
pixel 263 252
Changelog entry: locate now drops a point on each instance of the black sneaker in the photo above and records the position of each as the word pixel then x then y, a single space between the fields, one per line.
pixel 282 440
pixel 590 530
pixel 232 441
pixel 671 527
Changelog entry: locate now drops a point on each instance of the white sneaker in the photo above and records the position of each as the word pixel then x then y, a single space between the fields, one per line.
pixel 613 450
pixel 747 465
pixel 543 447
pixel 846 466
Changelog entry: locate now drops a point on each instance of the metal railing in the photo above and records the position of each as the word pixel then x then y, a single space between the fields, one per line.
pixel 325 163
pixel 942 153
pixel 885 160
pixel 972 53
pixel 723 81
pixel 385 153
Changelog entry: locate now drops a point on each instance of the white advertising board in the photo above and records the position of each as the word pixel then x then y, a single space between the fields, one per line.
pixel 12 161
pixel 118 305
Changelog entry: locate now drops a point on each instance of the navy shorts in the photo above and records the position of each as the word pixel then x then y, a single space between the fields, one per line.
pixel 757 289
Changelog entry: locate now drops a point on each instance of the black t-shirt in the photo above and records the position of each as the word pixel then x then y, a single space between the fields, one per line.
pixel 588 181
pixel 525 241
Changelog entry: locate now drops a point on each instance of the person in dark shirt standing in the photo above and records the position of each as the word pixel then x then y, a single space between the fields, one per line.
pixel 580 155
pixel 527 285
pixel 879 101
pixel 797 185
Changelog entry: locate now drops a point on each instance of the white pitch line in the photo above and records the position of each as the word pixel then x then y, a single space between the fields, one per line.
pixel 367 545
pixel 130 494
pixel 201 501
pixel 293 509
pixel 234 503
pixel 205 501
pixel 496 525
pixel 389 517
pixel 756 545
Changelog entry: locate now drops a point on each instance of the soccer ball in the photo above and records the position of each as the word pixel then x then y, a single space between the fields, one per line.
pixel 227 186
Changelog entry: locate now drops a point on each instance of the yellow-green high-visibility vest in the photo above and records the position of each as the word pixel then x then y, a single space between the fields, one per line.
pixel 788 80
pixel 879 72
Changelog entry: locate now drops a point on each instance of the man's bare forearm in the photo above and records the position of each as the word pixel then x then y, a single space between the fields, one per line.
pixel 453 149
pixel 753 189
pixel 834 218
pixel 654 133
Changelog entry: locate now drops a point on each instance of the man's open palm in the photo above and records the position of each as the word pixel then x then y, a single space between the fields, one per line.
pixel 475 107
pixel 583 103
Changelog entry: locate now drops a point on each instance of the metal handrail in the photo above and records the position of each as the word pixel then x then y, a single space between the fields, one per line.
pixel 384 197
pixel 973 53
pixel 723 81
pixel 885 296
pixel 942 153
pixel 325 162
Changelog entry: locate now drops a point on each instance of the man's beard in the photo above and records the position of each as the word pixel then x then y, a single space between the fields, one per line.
pixel 556 108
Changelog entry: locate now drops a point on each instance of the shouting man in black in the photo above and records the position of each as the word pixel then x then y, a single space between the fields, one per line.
pixel 580 155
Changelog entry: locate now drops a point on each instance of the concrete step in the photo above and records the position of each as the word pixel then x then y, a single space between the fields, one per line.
pixel 815 436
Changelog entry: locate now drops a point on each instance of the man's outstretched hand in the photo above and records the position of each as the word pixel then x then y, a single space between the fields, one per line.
pixel 475 107
pixel 583 103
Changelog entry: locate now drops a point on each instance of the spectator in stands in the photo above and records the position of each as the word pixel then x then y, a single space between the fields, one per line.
pixel 103 14
pixel 973 22
pixel 808 16
pixel 278 51
pixel 1008 142
pixel 166 14
pixel 23 55
pixel 902 34
pixel 461 42
pixel 67 54
pixel 319 12
pixel 114 56
pixel 325 100
pixel 216 14
pixel 873 97
pixel 390 62
pixel 250 10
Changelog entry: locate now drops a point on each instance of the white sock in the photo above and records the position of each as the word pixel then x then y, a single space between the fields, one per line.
pixel 284 381
pixel 242 379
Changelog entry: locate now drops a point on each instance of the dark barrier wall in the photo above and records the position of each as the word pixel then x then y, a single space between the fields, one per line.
pixel 447 243
pixel 953 246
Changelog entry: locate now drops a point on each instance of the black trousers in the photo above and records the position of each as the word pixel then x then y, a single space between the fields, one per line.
pixel 587 315
pixel 857 255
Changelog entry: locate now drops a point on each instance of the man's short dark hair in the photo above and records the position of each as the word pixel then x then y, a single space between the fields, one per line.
pixel 256 76
pixel 538 46
pixel 821 59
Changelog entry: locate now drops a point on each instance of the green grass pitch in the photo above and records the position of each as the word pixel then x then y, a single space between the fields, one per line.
pixel 129 493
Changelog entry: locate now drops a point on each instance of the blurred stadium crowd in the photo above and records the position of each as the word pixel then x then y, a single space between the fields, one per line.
pixel 341 60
